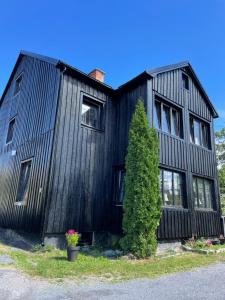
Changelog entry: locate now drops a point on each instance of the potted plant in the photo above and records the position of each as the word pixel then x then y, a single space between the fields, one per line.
pixel 72 238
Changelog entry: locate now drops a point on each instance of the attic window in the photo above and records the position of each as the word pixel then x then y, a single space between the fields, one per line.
pixel 185 81
pixel 18 85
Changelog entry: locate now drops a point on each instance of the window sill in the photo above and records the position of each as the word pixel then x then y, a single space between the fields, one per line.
pixel 91 127
pixel 21 203
pixel 170 135
pixel 171 207
pixel 201 147
pixel 204 209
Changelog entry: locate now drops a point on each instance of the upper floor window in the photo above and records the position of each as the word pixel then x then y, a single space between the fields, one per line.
pixel 10 131
pixel 185 81
pixel 202 190
pixel 91 113
pixel 199 132
pixel 22 191
pixel 167 118
pixel 18 84
pixel 172 188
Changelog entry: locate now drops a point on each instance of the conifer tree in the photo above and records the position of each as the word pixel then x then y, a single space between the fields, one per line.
pixel 142 201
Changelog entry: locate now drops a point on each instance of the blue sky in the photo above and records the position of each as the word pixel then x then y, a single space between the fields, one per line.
pixel 121 37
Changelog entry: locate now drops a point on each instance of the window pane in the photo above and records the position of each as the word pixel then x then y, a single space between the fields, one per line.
pixel 185 81
pixel 196 132
pixel 201 198
pixel 18 85
pixel 10 131
pixel 22 192
pixel 205 135
pixel 175 124
pixel 208 194
pixel 167 186
pixel 166 119
pixel 195 191
pixel 90 114
pixel 157 115
pixel 192 135
pixel 177 183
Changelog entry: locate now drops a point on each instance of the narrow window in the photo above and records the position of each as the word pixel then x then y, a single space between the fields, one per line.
pixel 185 81
pixel 175 123
pixel 10 131
pixel 18 85
pixel 167 188
pixel 201 196
pixel 208 193
pixel 197 132
pixel 120 186
pixel 171 188
pixel 22 191
pixel 91 113
pixel 166 119
pixel 157 115
pixel 205 135
pixel 202 190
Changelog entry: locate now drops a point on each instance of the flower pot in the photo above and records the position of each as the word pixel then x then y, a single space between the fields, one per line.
pixel 72 253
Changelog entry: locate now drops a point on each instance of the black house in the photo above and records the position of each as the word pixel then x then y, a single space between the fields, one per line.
pixel 63 141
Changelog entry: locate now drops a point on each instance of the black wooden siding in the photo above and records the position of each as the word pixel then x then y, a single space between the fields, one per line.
pixel 72 165
pixel 175 153
pixel 34 109
pixel 181 155
pixel 80 190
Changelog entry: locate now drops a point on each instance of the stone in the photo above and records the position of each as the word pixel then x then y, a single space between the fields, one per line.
pixel 6 260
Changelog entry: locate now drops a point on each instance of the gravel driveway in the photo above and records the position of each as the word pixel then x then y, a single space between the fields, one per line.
pixel 203 283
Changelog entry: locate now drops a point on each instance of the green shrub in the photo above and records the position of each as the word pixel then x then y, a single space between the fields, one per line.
pixel 142 202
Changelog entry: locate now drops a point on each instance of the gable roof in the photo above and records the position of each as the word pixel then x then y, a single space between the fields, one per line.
pixel 56 63
pixel 185 64
pixel 143 76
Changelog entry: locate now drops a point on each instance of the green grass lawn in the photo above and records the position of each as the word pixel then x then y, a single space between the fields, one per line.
pixel 54 265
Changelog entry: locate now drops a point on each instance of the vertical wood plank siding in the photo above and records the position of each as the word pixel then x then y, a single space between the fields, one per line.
pixel 125 106
pixel 181 155
pixel 34 108
pixel 81 174
pixel 73 165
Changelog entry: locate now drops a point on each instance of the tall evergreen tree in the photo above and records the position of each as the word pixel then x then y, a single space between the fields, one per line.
pixel 142 201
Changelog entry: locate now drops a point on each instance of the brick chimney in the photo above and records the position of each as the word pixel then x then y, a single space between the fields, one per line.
pixel 97 74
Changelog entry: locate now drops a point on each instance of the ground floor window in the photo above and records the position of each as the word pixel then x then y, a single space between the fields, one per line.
pixel 22 191
pixel 202 190
pixel 172 188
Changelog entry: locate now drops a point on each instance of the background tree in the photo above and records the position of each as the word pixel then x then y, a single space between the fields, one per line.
pixel 142 201
pixel 220 146
pixel 220 152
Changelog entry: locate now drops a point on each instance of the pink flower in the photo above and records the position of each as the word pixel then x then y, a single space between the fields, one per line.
pixel 71 231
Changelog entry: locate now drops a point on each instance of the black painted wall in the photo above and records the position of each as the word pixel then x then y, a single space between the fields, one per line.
pixel 80 188
pixel 72 173
pixel 34 109
pixel 175 153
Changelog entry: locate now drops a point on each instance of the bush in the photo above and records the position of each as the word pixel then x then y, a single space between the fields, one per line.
pixel 142 202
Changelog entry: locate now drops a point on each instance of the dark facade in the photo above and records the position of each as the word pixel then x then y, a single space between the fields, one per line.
pixel 63 141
